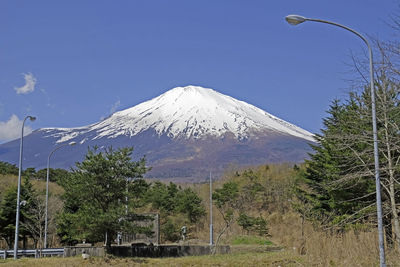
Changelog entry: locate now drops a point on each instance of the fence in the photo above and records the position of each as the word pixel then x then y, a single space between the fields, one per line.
pixel 33 252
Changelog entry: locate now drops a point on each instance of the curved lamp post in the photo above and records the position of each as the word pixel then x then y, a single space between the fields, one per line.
pixel 296 19
pixel 31 118
pixel 47 189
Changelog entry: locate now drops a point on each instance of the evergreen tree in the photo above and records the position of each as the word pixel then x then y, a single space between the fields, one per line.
pixel 163 197
pixel 8 168
pixel 7 216
pixel 177 207
pixel 189 203
pixel 96 193
pixel 55 175
pixel 8 212
pixel 171 199
pixel 330 173
pixel 338 182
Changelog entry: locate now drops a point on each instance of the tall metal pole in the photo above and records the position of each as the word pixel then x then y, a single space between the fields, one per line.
pixel 294 20
pixel 211 215
pixel 19 187
pixel 47 191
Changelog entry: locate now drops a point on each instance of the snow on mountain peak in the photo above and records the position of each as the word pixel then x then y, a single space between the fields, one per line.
pixel 190 112
pixel 194 112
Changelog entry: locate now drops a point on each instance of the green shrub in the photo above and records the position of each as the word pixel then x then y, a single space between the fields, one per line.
pixel 253 224
pixel 170 231
pixel 250 240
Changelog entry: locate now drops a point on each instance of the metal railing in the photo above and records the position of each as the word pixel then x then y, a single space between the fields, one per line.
pixel 37 253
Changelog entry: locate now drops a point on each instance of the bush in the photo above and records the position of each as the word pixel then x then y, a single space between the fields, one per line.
pixel 253 224
pixel 170 231
pixel 251 240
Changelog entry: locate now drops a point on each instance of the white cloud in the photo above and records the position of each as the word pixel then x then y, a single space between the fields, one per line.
pixel 29 87
pixel 113 109
pixel 115 106
pixel 48 104
pixel 11 129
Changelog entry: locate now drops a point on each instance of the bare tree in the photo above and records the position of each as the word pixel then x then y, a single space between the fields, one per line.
pixel 34 223
pixel 357 139
pixel 55 206
pixel 226 200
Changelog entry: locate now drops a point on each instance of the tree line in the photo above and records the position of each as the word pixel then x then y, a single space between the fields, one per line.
pixel 103 196
pixel 12 169
pixel 336 186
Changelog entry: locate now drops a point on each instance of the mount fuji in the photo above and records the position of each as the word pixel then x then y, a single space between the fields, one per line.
pixel 185 133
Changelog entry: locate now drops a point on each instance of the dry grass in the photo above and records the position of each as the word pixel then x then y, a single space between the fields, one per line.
pixel 325 249
pixel 54 189
pixel 236 259
pixel 7 181
pixel 316 247
pixel 55 202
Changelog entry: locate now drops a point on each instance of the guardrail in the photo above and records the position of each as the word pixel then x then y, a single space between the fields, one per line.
pixel 33 252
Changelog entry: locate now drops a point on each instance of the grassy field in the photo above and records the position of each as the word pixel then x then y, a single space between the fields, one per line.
pixel 281 258
pixel 305 243
pixel 241 255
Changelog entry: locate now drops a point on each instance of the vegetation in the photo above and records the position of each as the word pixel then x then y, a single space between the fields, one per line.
pixel 8 211
pixel 236 259
pixel 54 174
pixel 7 216
pixel 8 168
pixel 32 210
pixel 95 195
pixel 251 240
pixel 251 224
pixel 338 182
pixel 265 193
pixel 323 211
pixel 102 196
pixel 177 207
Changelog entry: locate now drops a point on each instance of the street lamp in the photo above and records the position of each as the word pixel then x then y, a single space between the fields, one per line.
pixel 47 188
pixel 31 118
pixel 296 19
pixel 211 214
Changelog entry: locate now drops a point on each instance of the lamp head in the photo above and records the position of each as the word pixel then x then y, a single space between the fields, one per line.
pixel 72 143
pixel 295 19
pixel 31 118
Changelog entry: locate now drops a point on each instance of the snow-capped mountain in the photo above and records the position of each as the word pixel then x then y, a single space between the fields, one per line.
pixel 187 112
pixel 179 131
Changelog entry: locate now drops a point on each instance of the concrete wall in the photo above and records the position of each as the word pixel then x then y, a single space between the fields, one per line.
pixel 92 251
pixel 145 251
pixel 165 251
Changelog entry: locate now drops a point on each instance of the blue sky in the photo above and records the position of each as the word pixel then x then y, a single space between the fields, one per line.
pixel 71 63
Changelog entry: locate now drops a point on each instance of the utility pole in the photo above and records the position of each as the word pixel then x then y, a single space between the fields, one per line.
pixel 211 214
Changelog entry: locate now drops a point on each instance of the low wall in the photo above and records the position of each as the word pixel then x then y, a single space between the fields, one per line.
pixel 92 251
pixel 145 251
pixel 165 251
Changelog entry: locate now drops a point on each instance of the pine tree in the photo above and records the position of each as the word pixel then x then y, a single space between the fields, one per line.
pixel 7 216
pixel 339 181
pixel 8 212
pixel 95 195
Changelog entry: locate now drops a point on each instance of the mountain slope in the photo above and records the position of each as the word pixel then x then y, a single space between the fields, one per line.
pixel 182 133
